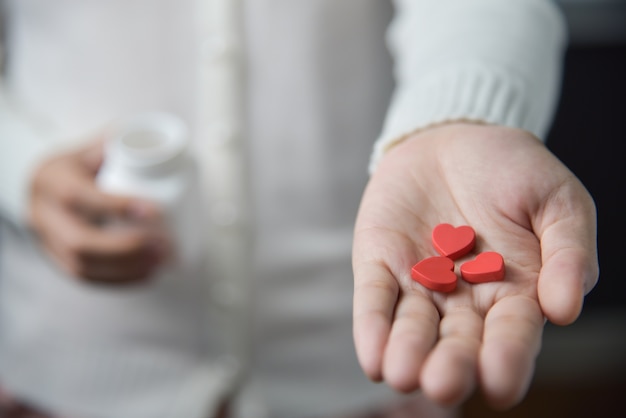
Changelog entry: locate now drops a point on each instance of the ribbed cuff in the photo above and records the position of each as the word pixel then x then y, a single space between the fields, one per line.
pixel 473 93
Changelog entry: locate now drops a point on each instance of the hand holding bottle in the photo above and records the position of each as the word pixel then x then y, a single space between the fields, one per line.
pixel 66 211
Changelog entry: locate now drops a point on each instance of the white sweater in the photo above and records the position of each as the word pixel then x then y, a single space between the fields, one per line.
pixel 285 100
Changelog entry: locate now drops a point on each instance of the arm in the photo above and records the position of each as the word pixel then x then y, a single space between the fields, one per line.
pixel 494 64
pixel 485 61
pixel 22 146
pixel 54 194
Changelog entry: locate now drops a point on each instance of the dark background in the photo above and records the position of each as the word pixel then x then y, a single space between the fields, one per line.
pixel 589 136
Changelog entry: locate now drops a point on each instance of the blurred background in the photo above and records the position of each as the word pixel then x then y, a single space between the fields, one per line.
pixel 581 371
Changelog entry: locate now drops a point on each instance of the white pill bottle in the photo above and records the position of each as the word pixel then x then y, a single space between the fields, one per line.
pixel 147 156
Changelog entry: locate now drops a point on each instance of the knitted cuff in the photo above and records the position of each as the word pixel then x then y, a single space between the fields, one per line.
pixel 474 93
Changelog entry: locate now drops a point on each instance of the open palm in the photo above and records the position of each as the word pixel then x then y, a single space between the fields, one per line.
pixel 523 203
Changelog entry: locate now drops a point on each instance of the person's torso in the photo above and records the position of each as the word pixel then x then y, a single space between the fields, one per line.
pixel 316 78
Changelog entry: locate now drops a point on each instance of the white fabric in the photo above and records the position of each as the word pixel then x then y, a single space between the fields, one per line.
pixel 284 101
pixel 479 61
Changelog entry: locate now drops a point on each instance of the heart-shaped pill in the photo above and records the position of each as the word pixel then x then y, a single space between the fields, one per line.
pixel 435 273
pixel 486 267
pixel 453 242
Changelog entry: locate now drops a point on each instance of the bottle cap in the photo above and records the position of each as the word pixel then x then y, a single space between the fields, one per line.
pixel 153 141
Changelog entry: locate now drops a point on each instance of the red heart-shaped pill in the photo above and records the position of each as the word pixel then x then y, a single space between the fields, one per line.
pixel 486 267
pixel 453 242
pixel 435 273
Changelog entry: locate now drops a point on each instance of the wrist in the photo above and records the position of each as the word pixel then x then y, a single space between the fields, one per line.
pixel 383 147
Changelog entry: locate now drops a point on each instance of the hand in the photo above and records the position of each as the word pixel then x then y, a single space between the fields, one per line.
pixel 523 203
pixel 67 209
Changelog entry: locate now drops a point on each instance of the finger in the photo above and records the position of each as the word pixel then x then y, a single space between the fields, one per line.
pixel 412 337
pixel 132 270
pixel 511 343
pixel 137 263
pixel 106 244
pixel 84 196
pixel 70 180
pixel 100 254
pixel 569 259
pixel 449 374
pixel 375 295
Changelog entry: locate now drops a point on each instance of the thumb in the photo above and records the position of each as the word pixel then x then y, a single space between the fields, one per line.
pixel 97 204
pixel 94 203
pixel 92 154
pixel 569 253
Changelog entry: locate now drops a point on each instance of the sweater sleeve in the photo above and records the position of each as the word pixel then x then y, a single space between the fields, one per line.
pixel 22 146
pixel 489 61
pixel 22 143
